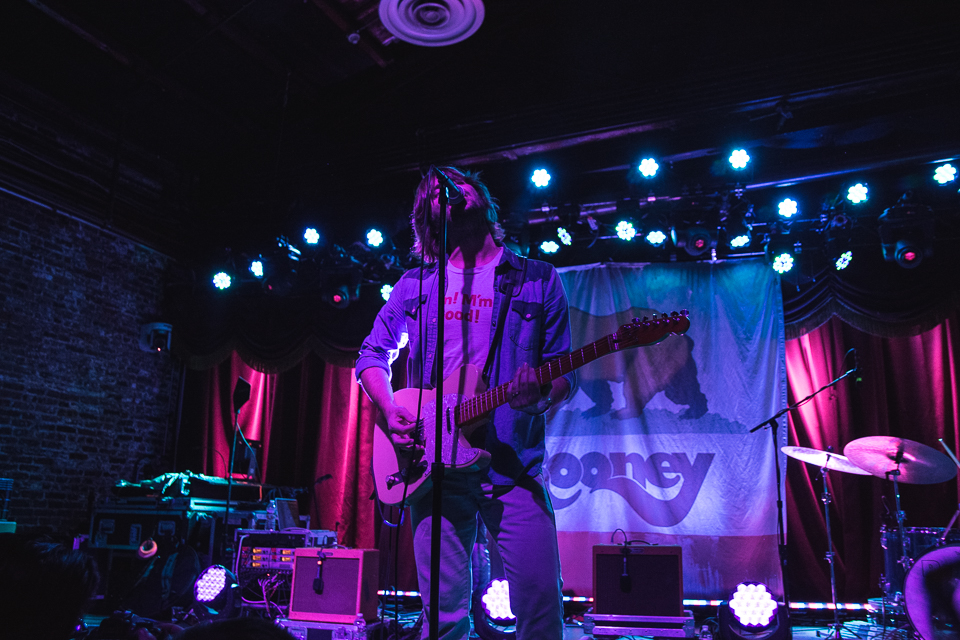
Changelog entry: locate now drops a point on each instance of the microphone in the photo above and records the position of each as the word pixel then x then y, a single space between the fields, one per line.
pixel 318 581
pixel 857 375
pixel 626 583
pixel 454 194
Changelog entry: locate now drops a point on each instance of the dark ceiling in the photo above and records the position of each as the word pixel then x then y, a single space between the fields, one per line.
pixel 265 114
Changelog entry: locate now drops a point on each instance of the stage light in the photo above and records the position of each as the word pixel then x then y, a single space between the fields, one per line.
pixel 843 261
pixel 564 236
pixel 625 230
pixel 905 252
pixel 256 268
pixel 648 167
pixel 492 617
pixel 549 246
pixel 906 232
pixel 496 601
pixel 337 296
pixel 945 173
pixel 656 237
pixel 740 241
pixel 753 605
pixel 222 280
pixel 737 226
pixel 311 236
pixel 540 178
pixel 215 594
pixel 787 208
pixel 779 251
pixel 385 291
pixel 782 262
pixel 753 614
pixel 837 244
pixel 374 238
pixel 695 240
pixel 857 193
pixel 739 159
pixel 655 227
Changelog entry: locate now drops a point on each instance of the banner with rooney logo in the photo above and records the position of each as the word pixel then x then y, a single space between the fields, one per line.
pixel 655 446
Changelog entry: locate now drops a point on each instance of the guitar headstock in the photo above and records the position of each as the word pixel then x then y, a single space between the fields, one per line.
pixel 646 331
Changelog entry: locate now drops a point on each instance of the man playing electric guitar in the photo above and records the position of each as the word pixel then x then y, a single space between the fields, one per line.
pixel 486 285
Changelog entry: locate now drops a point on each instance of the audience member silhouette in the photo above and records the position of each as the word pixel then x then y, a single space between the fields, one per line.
pixel 44 587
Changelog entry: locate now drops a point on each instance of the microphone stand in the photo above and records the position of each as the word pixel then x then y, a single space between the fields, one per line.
pixel 773 423
pixel 241 393
pixel 437 468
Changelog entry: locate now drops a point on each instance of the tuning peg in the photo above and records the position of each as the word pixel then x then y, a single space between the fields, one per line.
pixel 637 321
pixel 645 319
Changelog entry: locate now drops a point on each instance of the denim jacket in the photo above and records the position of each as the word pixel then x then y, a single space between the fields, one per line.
pixel 537 330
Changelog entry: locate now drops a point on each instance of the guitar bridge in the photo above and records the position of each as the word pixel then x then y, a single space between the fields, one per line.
pixel 407 474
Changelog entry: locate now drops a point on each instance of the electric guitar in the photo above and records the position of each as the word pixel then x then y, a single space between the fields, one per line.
pixel 402 478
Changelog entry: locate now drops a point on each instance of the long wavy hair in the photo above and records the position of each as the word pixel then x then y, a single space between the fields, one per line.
pixel 426 227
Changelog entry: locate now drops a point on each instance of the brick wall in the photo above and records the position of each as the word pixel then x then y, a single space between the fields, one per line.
pixel 81 406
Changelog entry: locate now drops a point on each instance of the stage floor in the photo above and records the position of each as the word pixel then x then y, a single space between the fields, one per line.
pixel 804 626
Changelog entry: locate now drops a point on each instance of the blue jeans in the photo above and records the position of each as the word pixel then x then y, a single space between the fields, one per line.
pixel 520 519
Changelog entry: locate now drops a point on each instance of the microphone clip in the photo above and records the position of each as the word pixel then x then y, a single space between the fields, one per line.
pixel 454 193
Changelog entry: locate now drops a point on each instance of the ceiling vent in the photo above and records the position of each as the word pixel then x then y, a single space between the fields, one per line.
pixel 432 23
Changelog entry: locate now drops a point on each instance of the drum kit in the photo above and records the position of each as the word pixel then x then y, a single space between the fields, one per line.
pixel 925 578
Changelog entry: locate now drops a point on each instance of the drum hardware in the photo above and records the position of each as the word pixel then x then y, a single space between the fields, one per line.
pixel 920 540
pixel 931 597
pixel 900 460
pixel 957 514
pixel 827 460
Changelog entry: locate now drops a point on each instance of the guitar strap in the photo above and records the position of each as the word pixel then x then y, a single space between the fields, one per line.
pixel 509 287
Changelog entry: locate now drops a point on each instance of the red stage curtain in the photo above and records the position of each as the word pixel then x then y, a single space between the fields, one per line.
pixel 311 421
pixel 909 390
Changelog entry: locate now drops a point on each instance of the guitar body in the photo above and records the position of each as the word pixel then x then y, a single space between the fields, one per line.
pixel 392 470
pixel 402 478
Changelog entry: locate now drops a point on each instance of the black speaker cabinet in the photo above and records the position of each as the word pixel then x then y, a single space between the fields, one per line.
pixel 334 585
pixel 634 580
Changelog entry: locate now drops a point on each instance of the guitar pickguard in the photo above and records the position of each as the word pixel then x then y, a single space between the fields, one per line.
pixel 454 450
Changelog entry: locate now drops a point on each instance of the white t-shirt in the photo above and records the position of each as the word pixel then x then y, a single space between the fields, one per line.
pixel 467 315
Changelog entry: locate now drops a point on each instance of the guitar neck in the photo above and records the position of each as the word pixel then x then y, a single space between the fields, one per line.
pixel 484 403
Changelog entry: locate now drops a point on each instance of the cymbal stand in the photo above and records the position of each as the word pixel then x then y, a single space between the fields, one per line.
pixel 827 499
pixel 905 561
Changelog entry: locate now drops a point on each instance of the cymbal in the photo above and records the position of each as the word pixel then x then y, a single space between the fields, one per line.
pixel 822 459
pixel 917 463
